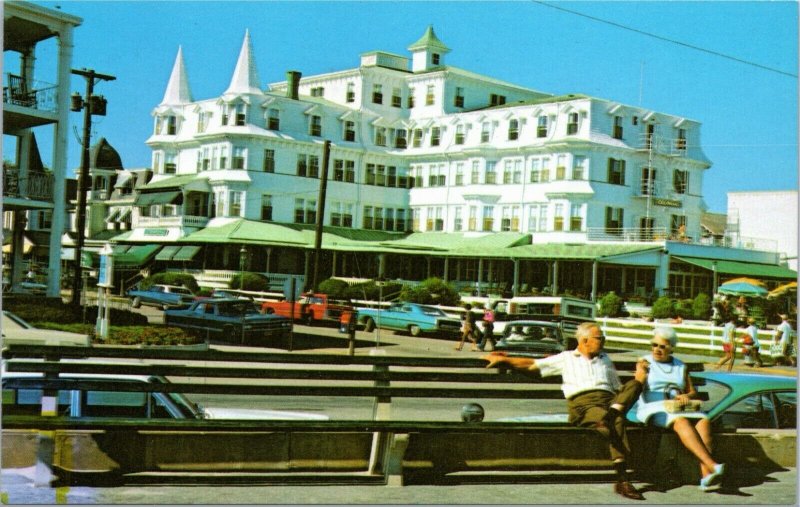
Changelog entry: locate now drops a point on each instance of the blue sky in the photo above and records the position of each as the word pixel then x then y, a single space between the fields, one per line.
pixel 749 114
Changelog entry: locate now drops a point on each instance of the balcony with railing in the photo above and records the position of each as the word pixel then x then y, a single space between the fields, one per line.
pixel 37 95
pixel 33 185
pixel 172 221
pixel 627 234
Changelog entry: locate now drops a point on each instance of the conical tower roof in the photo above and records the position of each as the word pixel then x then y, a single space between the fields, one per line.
pixel 178 91
pixel 245 75
pixel 429 40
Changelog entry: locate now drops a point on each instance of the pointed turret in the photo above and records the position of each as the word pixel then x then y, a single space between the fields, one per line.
pixel 245 75
pixel 428 52
pixel 178 91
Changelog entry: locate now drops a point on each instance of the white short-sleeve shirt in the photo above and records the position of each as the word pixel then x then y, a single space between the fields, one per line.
pixel 580 374
pixel 786 337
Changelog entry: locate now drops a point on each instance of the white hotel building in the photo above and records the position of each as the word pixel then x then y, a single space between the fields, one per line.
pixel 494 182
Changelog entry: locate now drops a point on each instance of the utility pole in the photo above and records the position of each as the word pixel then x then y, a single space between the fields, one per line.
pixel 91 104
pixel 323 190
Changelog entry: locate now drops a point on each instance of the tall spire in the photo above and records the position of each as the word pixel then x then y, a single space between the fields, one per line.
pixel 178 91
pixel 245 75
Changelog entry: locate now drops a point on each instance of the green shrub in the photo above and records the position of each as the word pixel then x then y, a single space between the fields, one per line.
pixel 701 306
pixel 610 305
pixel 171 278
pixel 149 335
pixel 683 308
pixel 372 292
pixel 250 281
pixel 431 291
pixel 663 308
pixel 335 289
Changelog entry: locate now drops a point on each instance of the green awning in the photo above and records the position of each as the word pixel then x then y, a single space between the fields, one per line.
pixel 167 252
pixel 157 198
pixel 136 256
pixel 742 268
pixel 186 253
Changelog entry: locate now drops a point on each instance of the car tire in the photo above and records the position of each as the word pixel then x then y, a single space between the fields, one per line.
pixel 369 325
pixel 137 302
pixel 415 330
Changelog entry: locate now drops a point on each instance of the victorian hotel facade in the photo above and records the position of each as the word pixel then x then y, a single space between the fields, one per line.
pixel 433 171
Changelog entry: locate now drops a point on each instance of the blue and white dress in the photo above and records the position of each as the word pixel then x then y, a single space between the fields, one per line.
pixel 664 382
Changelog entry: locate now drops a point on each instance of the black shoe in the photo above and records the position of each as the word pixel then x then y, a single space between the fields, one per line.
pixel 627 490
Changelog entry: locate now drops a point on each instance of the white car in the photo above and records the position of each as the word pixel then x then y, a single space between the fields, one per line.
pixel 16 331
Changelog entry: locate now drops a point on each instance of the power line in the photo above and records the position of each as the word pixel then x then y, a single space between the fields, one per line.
pixel 666 39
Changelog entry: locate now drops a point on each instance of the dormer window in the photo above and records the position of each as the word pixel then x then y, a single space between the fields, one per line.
pixel 349 130
pixel 680 142
pixel 377 94
pixel 617 127
pixel 513 130
pixel 168 125
pixel 417 142
pixel 315 125
pixel 485 132
pixel 459 134
pixel 202 118
pixel 436 135
pixel 435 58
pixel 458 101
pixel 541 128
pixel 273 119
pixel 496 100
pixel 397 100
pixel 318 91
pixel 410 98
pixel 225 114
pixel 351 93
pixel 572 123
pixel 380 136
pixel 239 112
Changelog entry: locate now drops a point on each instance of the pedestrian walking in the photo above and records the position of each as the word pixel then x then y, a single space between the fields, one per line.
pixel 728 343
pixel 782 345
pixel 753 356
pixel 468 328
pixel 488 329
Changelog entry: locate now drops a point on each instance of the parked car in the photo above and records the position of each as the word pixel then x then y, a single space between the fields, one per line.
pixel 309 309
pixel 413 318
pixel 161 296
pixel 531 338
pixel 17 331
pixel 229 319
pixel 22 397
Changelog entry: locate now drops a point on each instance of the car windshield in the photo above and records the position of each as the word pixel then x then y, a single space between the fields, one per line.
pixel 717 391
pixel 181 290
pixel 237 308
pixel 433 312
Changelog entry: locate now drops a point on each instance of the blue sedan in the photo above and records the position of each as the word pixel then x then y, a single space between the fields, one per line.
pixel 411 317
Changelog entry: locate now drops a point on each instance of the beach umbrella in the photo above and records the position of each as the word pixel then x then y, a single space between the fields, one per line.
pixel 782 290
pixel 743 287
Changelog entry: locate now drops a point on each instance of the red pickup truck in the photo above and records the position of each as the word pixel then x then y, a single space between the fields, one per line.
pixel 309 309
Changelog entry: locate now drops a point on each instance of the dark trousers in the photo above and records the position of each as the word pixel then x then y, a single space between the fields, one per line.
pixel 590 407
pixel 488 335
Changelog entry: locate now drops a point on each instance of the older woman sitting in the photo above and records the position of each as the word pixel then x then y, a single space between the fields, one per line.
pixel 666 402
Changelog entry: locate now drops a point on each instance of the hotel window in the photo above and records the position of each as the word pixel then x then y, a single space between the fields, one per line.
pixel 318 91
pixel 433 179
pixel 578 167
pixel 458 101
pixel 391 176
pixel 269 161
pixel 417 177
pixel 302 165
pixel 680 181
pixel 537 218
pixel 380 175
pixel 505 221
pixel 561 169
pixel 572 123
pixel 403 181
pixel 239 115
pixel 236 204
pixel 368 218
pixel 488 218
pixel 680 142
pixel 496 100
pixel 616 171
pixel 226 112
pixel 429 97
pixel 377 222
pixel 508 171
pixel 429 219
pixel 490 176
pixel 388 219
pixel 400 139
pixel 459 174
pixel 648 181
pixel 313 166
pixel 513 130
pixel 311 211
pixel 475 177
pixel 350 96
pixel 439 221
pixel 417 138
pixel 336 213
pixel 170 167
pixel 45 220
pixel 614 217
pixel 347 215
pixel 436 134
pixel 517 172
pixel 266 207
pixel 349 130
pixel 435 58
pixel 380 136
pixel 648 139
pixel 541 127
pixel 485 131
pixel 397 100
pixel 558 218
pixel 677 226
pixel 458 222
pixel 545 177
pixel 617 134
pixel 377 94
pixel 401 220
pixel 206 159
pixel 239 155
pixel 338 170
pixel 472 224
pixel 273 119
pixel 410 98
pixel 299 211
pixel 576 217
pixel 201 122
pixel 459 134
pixel 415 214
pixel 349 171
pixel 369 175
pixel 536 169
pixel 315 125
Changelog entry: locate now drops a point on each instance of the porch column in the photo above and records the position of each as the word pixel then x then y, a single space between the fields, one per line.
pixel 662 274
pixel 268 268
pixel 595 266
pixel 624 281
pixel 458 269
pixel 428 267
pixel 515 283
pixel 480 275
pixel 446 269
pixel 382 265
pixel 307 269
pixel 555 278
pixel 333 263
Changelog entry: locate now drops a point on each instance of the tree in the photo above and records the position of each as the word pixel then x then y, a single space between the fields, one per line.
pixel 701 307
pixel 250 281
pixel 431 291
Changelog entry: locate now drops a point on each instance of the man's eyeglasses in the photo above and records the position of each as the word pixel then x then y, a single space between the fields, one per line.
pixel 659 346
pixel 599 337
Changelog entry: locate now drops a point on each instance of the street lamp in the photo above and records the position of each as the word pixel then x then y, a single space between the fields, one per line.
pixel 91 105
pixel 242 262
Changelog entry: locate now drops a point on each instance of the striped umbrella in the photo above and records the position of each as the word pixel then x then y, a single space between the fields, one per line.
pixel 743 287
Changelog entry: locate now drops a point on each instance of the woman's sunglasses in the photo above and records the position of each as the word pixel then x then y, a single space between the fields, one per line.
pixel 659 346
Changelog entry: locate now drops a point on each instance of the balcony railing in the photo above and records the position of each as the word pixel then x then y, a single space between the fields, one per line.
pixel 627 234
pixel 172 221
pixel 39 95
pixel 34 185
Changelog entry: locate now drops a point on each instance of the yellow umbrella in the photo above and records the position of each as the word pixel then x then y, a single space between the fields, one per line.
pixel 744 279
pixel 782 290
